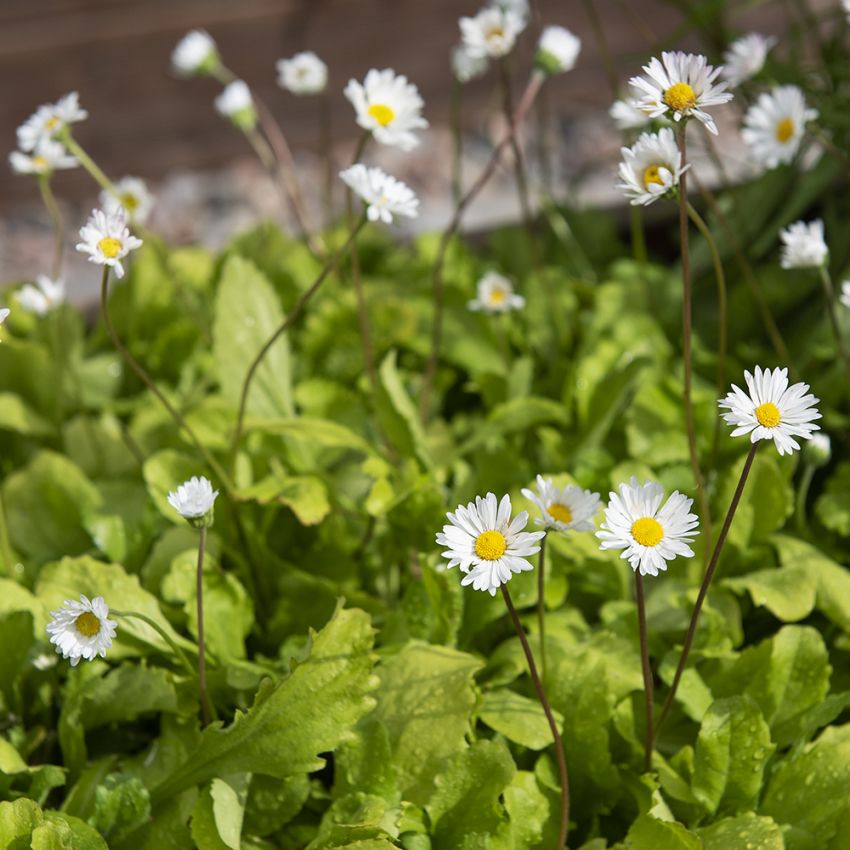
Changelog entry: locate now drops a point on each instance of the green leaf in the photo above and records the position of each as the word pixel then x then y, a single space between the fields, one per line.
pixel 305 495
pixel 219 812
pixel 789 593
pixel 746 832
pixel 528 810
pixel 272 802
pixel 833 505
pixel 16 415
pixel 357 817
pixel 17 821
pixel 518 718
pixel 293 720
pixel 316 432
pixel 122 804
pixel 16 638
pixel 647 833
pixel 732 749
pixel 513 417
pixel 247 313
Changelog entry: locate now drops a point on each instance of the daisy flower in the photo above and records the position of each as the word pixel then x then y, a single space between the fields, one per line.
pixel 649 534
pixel 557 51
pixel 304 73
pixel 681 85
pixel 496 295
pixel 389 107
pixel 771 410
pixel 467 67
pixel 48 156
pixel 482 540
pixel 82 629
pixel 845 288
pixel 651 167
pixel 196 54
pixel 745 57
pixel 107 240
pixel 492 32
pixel 235 102
pixel 803 245
pixel 563 508
pixel 133 195
pixel 49 120
pixel 627 116
pixel 194 499
pixel 43 296
pixel 774 125
pixel 384 196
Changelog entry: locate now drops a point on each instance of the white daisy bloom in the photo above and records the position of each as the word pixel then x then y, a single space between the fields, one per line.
pixel 304 73
pixel 235 102
pixel 384 196
pixel 43 296
pixel 681 85
pixel 481 539
pixel 745 57
pixel 467 67
pixel 133 195
pixel 107 240
pixel 649 534
pixel 196 53
pixel 651 167
pixel 492 32
pixel 627 116
pixel 771 410
pixel 774 125
pixel 496 295
pixel 803 245
pixel 845 288
pixel 48 156
pixel 50 119
pixel 564 508
pixel 193 499
pixel 82 629
pixel 389 107
pixel 557 51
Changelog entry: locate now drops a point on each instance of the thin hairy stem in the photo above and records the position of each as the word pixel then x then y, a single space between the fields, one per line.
pixel 202 646
pixel 648 691
pixel 457 141
pixel 182 657
pixel 87 162
pixel 541 603
pixel 58 221
pixel 829 294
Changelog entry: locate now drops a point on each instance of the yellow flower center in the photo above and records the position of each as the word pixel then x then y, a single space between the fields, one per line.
pixel 51 123
pixel 109 247
pixel 768 414
pixel 679 97
pixel 87 624
pixel 647 531
pixel 490 545
pixel 129 201
pixel 784 130
pixel 382 113
pixel 651 175
pixel 498 296
pixel 39 162
pixel 560 512
pixel 494 33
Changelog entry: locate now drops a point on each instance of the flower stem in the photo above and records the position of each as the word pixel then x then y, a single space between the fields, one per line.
pixel 541 603
pixel 457 141
pixel 829 293
pixel 706 581
pixel 202 647
pixel 803 495
pixel 184 660
pixel 647 672
pixel 58 223
pixel 547 709
pixel 87 162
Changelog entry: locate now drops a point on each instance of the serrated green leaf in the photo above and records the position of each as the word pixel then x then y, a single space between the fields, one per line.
pixel 16 415
pixel 647 833
pixel 746 832
pixel 789 593
pixel 518 718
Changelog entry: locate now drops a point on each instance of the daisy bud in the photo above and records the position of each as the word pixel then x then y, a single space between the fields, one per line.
pixel 235 103
pixel 196 55
pixel 803 245
pixel 557 51
pixel 82 629
pixel 818 451
pixel 194 500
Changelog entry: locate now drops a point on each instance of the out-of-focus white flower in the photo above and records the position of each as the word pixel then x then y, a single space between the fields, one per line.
pixel 235 102
pixel 82 629
pixel 383 195
pixel 43 296
pixel 771 410
pixel 745 57
pixel 49 120
pixel 48 156
pixel 558 50
pixel 563 508
pixel 4 314
pixel 496 295
pixel 818 451
pixel 196 53
pixel 467 67
pixel 627 116
pixel 389 107
pixel 651 167
pixel 681 85
pixel 775 124
pixel 846 5
pixel 303 74
pixel 845 288
pixel 194 500
pixel 492 32
pixel 803 245
pixel 133 195
pixel 107 240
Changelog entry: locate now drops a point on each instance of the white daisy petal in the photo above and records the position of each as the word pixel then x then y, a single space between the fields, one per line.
pixel 107 240
pixel 774 126
pixel 745 58
pixel 651 168
pixel 383 195
pixel 194 498
pixel 803 245
pixel 492 33
pixel 495 295
pixel 133 195
pixel 303 74
pixel 564 508
pixel 42 297
pixel 82 629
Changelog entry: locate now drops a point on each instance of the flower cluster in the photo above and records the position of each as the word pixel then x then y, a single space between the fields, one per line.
pixel 41 149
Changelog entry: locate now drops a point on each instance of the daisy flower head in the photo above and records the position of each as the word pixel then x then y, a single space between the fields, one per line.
pixel 563 508
pixel 482 540
pixel 648 533
pixel 803 245
pixel 196 54
pixel 681 85
pixel 845 288
pixel 107 240
pixel 774 125
pixel 651 167
pixel 48 156
pixel 49 120
pixel 389 107
pixel 496 295
pixel 384 196
pixel 627 116
pixel 303 74
pixel 818 451
pixel 194 500
pixel 133 195
pixel 745 57
pixel 42 297
pixel 557 51
pixel 235 102
pixel 82 629
pixel 492 32
pixel 467 67
pixel 771 410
